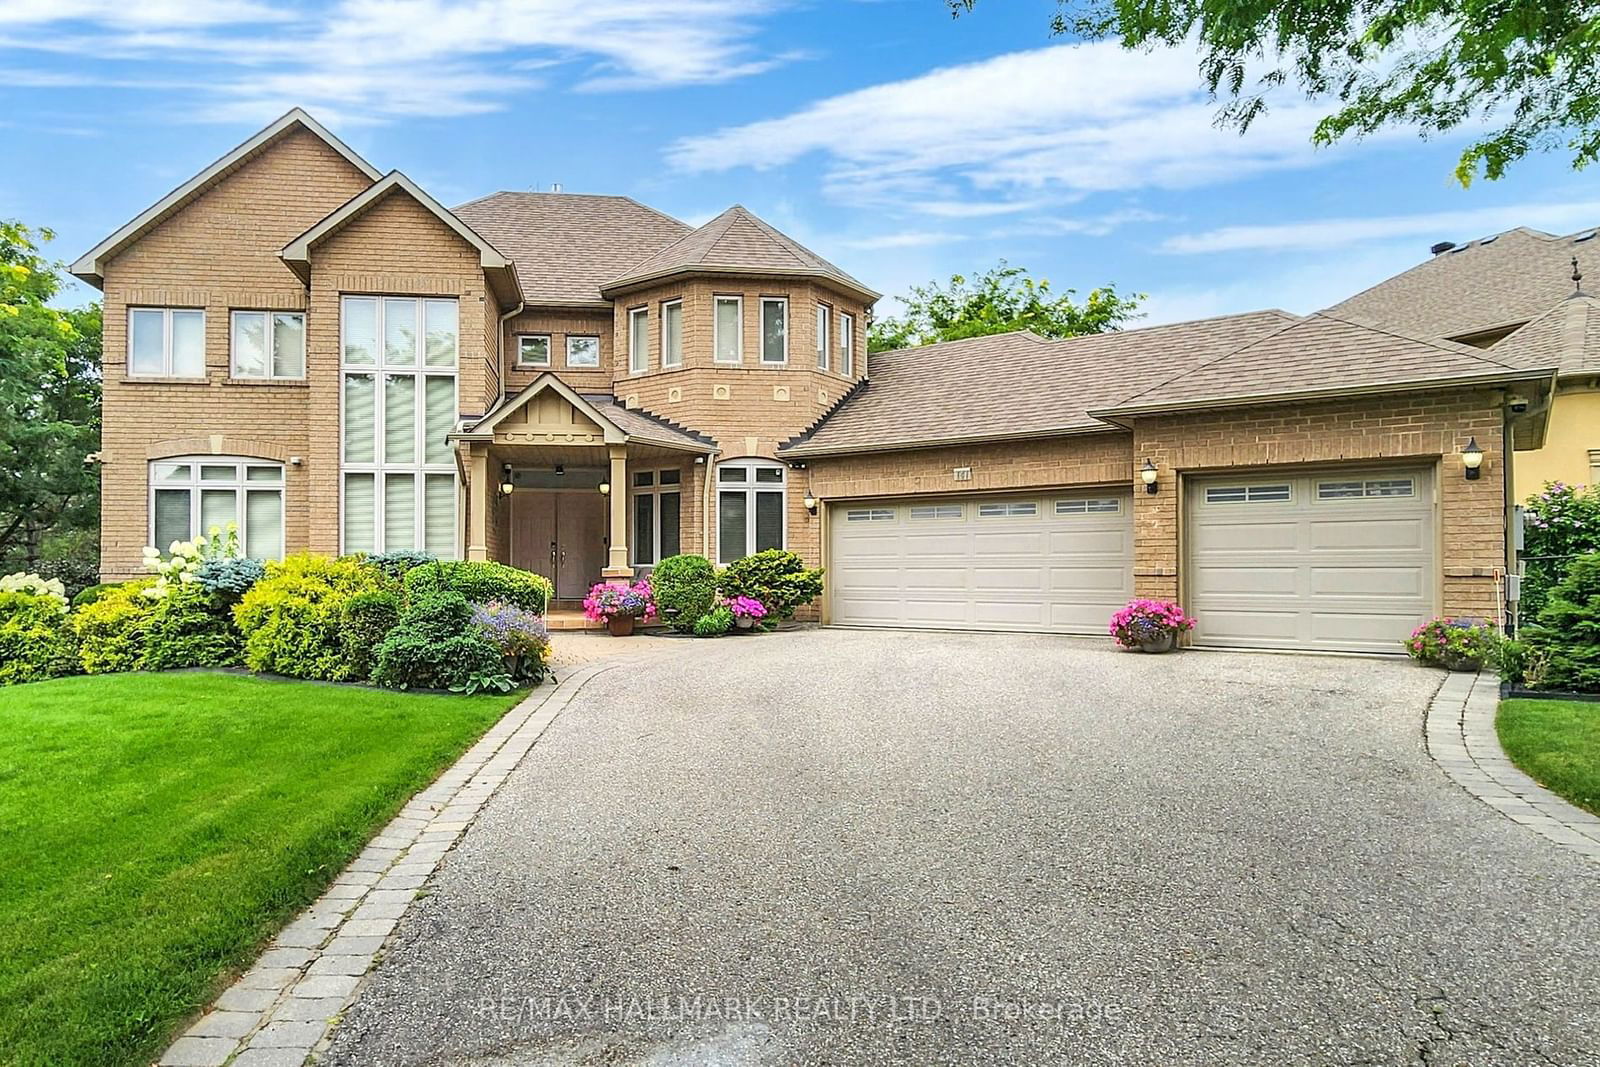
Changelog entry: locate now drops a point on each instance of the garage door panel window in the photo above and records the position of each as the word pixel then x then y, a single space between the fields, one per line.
pixel 869 515
pixel 1249 494
pixel 750 508
pixel 1365 488
pixel 190 497
pixel 1013 510
pixel 932 512
pixel 1089 506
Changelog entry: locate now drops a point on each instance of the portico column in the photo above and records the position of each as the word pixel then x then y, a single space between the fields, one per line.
pixel 478 493
pixel 618 571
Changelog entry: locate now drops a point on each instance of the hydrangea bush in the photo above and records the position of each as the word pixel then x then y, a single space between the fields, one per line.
pixel 1143 620
pixel 32 584
pixel 746 607
pixel 1451 642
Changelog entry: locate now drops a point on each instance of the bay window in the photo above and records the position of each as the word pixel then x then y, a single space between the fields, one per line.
pixel 750 508
pixel 269 344
pixel 190 496
pixel 774 329
pixel 672 333
pixel 399 474
pixel 167 342
pixel 656 497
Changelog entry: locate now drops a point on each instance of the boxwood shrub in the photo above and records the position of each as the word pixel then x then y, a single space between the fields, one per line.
pixel 36 638
pixel 190 627
pixel 291 620
pixel 480 582
pixel 436 646
pixel 367 618
pixel 779 579
pixel 112 631
pixel 685 590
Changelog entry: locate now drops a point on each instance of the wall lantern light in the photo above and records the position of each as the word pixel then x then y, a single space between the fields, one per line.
pixel 560 470
pixel 605 487
pixel 1147 474
pixel 506 485
pixel 811 503
pixel 1472 459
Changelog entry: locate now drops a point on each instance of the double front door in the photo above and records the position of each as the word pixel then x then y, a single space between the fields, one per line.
pixel 560 534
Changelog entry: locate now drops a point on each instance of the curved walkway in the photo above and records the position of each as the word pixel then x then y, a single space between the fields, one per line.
pixel 1463 741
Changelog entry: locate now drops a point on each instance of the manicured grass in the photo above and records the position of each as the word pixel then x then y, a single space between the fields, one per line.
pixel 1557 743
pixel 158 828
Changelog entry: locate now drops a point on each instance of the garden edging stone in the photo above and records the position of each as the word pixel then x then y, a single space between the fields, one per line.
pixel 1461 738
pixel 281 1010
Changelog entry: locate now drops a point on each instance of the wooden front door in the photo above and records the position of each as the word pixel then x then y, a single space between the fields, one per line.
pixel 562 535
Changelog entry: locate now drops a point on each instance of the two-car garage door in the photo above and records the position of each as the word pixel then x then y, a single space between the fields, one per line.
pixel 1059 563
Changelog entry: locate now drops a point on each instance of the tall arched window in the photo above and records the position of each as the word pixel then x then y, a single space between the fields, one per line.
pixel 750 507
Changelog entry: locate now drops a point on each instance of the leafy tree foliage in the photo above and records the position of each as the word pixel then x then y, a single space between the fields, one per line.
pixel 49 417
pixel 999 300
pixel 1530 67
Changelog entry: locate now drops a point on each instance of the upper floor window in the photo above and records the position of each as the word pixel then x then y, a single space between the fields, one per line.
pixel 750 507
pixel 729 342
pixel 399 331
pixel 533 350
pixel 167 342
pixel 583 351
pixel 269 344
pixel 192 495
pixel 655 514
pixel 847 345
pixel 824 317
pixel 672 333
pixel 639 340
pixel 774 329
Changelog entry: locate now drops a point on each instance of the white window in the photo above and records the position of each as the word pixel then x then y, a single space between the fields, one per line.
pixel 638 340
pixel 1369 487
pixel 191 496
pixel 1248 494
pixel 533 350
pixel 750 508
pixel 869 515
pixel 847 345
pixel 399 472
pixel 1013 509
pixel 774 329
pixel 1088 506
pixel 672 333
pixel 729 329
pixel 936 511
pixel 269 344
pixel 656 497
pixel 583 351
pixel 824 316
pixel 166 343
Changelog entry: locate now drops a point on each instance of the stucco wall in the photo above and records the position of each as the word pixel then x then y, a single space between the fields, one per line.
pixel 1573 432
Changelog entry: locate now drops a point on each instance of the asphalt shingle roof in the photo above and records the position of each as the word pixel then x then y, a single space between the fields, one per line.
pixel 1566 337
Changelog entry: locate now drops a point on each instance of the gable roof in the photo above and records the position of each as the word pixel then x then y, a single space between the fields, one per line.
pixel 1323 356
pixel 91 265
pixel 1492 283
pixel 568 245
pixel 1566 337
pixel 297 253
pixel 736 242
pixel 1016 385
pixel 618 424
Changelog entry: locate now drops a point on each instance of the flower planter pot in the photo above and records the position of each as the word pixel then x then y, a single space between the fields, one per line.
pixel 744 622
pixel 1162 643
pixel 620 625
pixel 1460 663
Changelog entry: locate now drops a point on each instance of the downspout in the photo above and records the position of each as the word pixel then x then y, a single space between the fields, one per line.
pixel 705 511
pixel 500 350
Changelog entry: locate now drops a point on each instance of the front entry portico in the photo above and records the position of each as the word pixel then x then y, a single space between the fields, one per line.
pixel 561 534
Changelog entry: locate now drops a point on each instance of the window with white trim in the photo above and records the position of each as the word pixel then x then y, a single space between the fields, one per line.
pixel 192 496
pixel 774 329
pixel 750 508
pixel 672 333
pixel 583 351
pixel 869 515
pixel 1088 506
pixel 1248 494
pixel 1015 509
pixel 1368 487
pixel 269 344
pixel 656 511
pixel 638 340
pixel 824 317
pixel 398 486
pixel 166 342
pixel 936 511
pixel 847 345
pixel 533 350
pixel 728 328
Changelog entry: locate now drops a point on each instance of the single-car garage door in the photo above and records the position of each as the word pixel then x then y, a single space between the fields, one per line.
pixel 1340 561
pixel 1061 562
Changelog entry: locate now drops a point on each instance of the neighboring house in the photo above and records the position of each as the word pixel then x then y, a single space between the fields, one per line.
pixel 582 386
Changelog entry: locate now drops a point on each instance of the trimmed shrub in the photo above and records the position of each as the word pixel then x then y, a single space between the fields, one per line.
pixel 779 579
pixel 290 620
pixel 1567 635
pixel 92 593
pixel 366 620
pixel 714 623
pixel 230 578
pixel 397 564
pixel 190 628
pixel 685 590
pixel 436 647
pixel 521 637
pixel 113 629
pixel 481 581
pixel 36 638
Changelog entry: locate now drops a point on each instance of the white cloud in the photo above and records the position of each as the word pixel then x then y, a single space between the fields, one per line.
pixel 1054 123
pixel 1438 225
pixel 904 239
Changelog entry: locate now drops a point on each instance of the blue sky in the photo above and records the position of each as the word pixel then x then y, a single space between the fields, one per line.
pixel 900 143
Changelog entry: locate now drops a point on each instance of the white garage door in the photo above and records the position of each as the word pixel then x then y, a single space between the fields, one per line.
pixel 1061 562
pixel 1341 561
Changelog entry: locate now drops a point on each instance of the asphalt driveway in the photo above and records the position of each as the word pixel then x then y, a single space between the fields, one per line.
pixel 837 847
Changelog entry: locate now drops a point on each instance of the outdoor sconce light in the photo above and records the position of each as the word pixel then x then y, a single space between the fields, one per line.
pixel 506 485
pixel 605 487
pixel 1147 474
pixel 560 470
pixel 811 503
pixel 1472 459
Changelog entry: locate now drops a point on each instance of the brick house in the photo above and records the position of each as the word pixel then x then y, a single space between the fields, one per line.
pixel 581 386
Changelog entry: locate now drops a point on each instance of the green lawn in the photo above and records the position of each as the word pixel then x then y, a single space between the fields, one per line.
pixel 157 829
pixel 1557 743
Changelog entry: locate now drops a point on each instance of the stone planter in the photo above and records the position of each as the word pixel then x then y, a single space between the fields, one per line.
pixel 620 625
pixel 744 622
pixel 1161 643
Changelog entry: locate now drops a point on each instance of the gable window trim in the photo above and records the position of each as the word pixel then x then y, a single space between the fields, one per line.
pixel 745 489
pixel 250 480
pixel 782 304
pixel 168 339
pixel 522 357
pixel 847 345
pixel 585 363
pixel 655 486
pixel 270 319
pixel 737 301
pixel 672 333
pixel 824 322
pixel 639 339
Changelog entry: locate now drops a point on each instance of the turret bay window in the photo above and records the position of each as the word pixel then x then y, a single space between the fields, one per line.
pixel 729 341
pixel 847 345
pixel 750 508
pixel 192 495
pixel 824 316
pixel 656 497
pixel 638 340
pixel 399 406
pixel 672 333
pixel 774 329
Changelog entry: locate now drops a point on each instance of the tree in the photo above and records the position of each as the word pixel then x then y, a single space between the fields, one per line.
pixel 1000 300
pixel 49 416
pixel 1530 67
